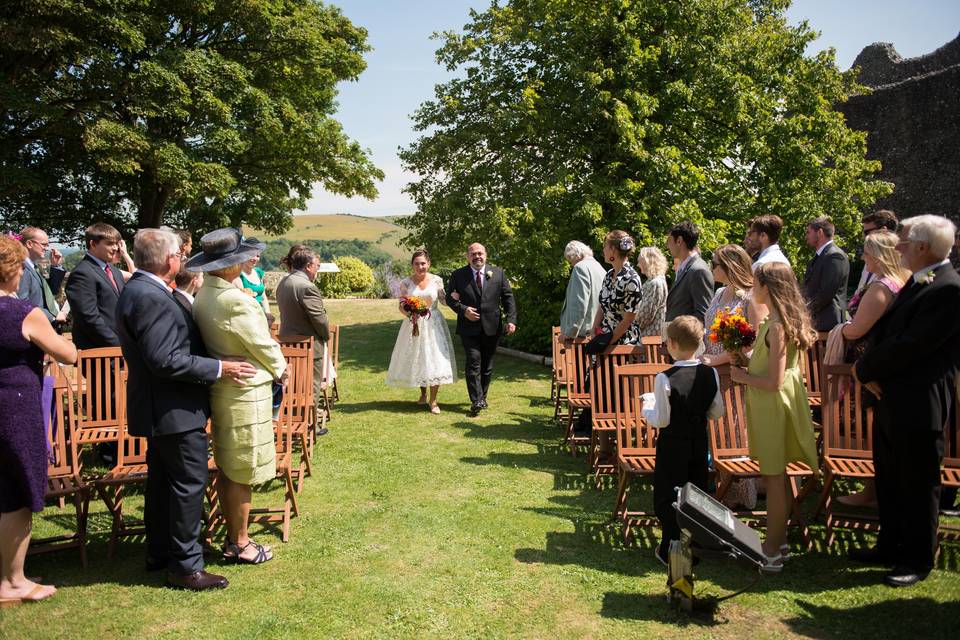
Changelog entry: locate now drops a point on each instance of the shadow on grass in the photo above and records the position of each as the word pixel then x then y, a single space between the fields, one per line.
pixel 927 619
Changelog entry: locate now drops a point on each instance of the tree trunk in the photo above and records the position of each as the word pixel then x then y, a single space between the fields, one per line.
pixel 153 200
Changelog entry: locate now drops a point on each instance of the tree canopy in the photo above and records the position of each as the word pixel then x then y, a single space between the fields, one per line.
pixel 568 118
pixel 195 113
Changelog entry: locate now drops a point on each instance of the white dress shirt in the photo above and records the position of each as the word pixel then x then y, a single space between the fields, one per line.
pixel 771 254
pixel 656 405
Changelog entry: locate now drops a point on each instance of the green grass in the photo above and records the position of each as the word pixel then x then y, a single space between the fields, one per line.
pixel 382 232
pixel 446 526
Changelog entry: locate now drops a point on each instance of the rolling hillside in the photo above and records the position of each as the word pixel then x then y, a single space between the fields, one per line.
pixel 380 232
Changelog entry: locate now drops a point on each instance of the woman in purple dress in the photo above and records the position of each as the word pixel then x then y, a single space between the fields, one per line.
pixel 25 334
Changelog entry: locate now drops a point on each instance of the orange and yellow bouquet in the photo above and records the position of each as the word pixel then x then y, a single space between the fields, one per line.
pixel 734 333
pixel 416 308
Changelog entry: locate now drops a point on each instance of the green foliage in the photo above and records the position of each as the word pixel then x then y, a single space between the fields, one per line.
pixel 568 119
pixel 326 249
pixel 355 278
pixel 195 114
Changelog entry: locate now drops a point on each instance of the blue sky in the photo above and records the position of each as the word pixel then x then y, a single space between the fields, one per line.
pixel 401 72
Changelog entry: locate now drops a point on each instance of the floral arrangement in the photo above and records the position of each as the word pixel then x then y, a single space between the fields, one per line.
pixel 416 308
pixel 731 330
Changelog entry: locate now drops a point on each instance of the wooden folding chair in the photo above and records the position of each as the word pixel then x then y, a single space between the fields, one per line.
pixel 654 350
pixel 96 387
pixel 333 344
pixel 129 471
pixel 576 364
pixel 847 445
pixel 558 382
pixel 63 475
pixel 731 454
pixel 604 404
pixel 950 467
pixel 636 440
pixel 299 393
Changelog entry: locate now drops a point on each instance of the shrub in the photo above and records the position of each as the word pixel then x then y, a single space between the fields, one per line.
pixel 355 278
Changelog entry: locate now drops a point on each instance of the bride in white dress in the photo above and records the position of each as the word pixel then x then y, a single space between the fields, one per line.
pixel 425 360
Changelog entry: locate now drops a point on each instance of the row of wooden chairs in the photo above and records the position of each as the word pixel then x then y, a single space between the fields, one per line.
pixel 89 408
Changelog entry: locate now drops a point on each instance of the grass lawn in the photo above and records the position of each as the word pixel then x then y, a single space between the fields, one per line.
pixel 417 525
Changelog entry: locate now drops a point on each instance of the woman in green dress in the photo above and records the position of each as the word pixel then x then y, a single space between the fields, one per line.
pixel 232 325
pixel 251 276
pixel 779 426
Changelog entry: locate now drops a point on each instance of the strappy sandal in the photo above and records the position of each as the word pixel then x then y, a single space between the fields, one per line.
pixel 234 551
pixel 14 602
pixel 772 564
pixel 230 547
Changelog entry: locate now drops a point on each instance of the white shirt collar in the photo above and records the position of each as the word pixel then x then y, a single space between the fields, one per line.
pixel 770 249
pixel 480 270
pixel 926 270
pixel 100 263
pixel 825 245
pixel 188 296
pixel 156 278
pixel 686 363
pixel 28 261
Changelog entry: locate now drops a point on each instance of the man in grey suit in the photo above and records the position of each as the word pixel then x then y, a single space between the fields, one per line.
pixel 692 288
pixel 33 286
pixel 302 313
pixel 583 291
pixel 825 282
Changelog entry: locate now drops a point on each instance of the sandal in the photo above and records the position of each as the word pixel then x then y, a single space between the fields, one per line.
pixel 230 548
pixel 13 602
pixel 785 552
pixel 235 557
pixel 434 409
pixel 772 564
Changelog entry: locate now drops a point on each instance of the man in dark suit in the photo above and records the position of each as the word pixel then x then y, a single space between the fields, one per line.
pixel 692 288
pixel 825 282
pixel 168 403
pixel 478 292
pixel 33 286
pixel 188 282
pixel 93 289
pixel 911 366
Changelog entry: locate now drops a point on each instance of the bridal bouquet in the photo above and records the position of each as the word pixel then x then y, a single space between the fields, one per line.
pixel 733 332
pixel 416 308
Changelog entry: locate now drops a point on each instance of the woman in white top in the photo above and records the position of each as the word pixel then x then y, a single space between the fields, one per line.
pixel 424 360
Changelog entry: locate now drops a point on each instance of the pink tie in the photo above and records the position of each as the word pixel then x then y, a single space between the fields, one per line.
pixel 109 273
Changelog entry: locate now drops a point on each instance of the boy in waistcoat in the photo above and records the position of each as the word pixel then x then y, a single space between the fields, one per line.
pixel 685 396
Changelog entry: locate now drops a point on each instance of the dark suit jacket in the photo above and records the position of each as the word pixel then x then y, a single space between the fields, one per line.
pixel 496 294
pixel 169 372
pixel 182 299
pixel 31 287
pixel 914 353
pixel 825 287
pixel 692 291
pixel 93 305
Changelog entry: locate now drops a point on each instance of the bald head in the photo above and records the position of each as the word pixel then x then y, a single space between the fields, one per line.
pixel 477 255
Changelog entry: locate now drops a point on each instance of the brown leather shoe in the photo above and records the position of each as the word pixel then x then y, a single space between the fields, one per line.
pixel 197 581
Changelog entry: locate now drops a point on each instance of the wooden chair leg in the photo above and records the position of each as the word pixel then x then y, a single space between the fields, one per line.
pixel 81 527
pixel 724 485
pixel 292 492
pixel 797 513
pixel 824 495
pixel 620 505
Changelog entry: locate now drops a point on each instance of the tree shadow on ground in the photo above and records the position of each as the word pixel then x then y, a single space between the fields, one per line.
pixel 928 619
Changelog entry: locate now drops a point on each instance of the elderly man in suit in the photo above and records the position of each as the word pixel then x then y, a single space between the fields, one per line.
pixel 302 313
pixel 168 403
pixel 911 367
pixel 583 291
pixel 33 286
pixel 477 293
pixel 825 282
pixel 93 289
pixel 693 285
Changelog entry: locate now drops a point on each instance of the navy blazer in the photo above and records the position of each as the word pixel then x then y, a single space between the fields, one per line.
pixel 914 353
pixel 169 371
pixel 496 294
pixel 31 287
pixel 93 305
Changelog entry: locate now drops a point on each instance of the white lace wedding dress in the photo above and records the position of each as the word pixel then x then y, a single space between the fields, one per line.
pixel 427 359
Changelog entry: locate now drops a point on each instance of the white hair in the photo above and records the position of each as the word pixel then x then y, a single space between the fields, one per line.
pixel 576 250
pixel 936 231
pixel 152 247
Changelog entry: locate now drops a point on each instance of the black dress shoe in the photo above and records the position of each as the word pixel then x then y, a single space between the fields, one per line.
pixel 482 404
pixel 904 577
pixel 870 555
pixel 475 408
pixel 156 564
pixel 196 581
pixel 322 431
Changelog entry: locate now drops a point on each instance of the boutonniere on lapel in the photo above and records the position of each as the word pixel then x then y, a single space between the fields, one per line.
pixel 927 278
pixel 489 274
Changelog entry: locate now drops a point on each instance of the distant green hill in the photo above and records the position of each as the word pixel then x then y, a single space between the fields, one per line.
pixel 382 234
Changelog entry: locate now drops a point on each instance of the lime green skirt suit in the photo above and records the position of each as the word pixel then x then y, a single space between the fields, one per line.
pixel 232 324
pixel 779 426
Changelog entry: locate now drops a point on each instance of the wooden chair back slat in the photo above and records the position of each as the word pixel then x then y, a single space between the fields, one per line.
pixel 63 459
pixel 96 385
pixel 728 433
pixel 847 424
pixel 604 393
pixel 298 397
pixel 634 435
pixel 557 352
pixel 131 449
pixel 655 352
pixel 576 366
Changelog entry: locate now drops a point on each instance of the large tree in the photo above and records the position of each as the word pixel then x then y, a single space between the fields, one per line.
pixel 194 113
pixel 568 118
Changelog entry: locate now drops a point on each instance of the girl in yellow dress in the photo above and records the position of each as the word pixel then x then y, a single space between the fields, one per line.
pixel 779 426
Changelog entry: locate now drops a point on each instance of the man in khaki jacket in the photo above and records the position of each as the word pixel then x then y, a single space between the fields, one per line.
pixel 302 313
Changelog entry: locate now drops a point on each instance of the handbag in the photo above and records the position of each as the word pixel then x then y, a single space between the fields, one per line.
pixel 598 345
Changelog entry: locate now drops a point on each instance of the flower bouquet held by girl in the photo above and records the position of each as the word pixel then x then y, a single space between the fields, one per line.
pixel 416 308
pixel 734 333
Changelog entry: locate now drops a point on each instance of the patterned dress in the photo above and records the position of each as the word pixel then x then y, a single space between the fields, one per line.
pixel 653 306
pixel 621 294
pixel 23 447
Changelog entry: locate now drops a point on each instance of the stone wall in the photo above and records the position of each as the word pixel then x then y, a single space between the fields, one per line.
pixel 913 122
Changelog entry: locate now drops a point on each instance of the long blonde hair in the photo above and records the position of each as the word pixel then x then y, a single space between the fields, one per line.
pixel 882 247
pixel 785 298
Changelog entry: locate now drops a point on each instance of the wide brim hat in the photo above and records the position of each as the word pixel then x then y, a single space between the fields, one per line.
pixel 255 244
pixel 223 248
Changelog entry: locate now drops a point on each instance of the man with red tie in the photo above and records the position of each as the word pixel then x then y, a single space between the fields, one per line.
pixel 480 295
pixel 93 289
